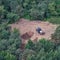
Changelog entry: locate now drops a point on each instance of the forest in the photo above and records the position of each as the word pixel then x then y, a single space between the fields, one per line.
pixel 10 41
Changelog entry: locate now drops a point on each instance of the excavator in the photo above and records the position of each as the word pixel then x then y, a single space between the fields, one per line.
pixel 40 31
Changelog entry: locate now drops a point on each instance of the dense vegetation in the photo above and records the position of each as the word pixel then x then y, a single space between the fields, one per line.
pixel 36 9
pixel 10 41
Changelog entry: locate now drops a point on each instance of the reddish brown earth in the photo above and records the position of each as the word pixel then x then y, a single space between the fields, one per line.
pixel 29 27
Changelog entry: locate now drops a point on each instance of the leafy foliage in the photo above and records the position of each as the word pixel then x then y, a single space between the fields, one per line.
pixel 54 20
pixel 12 17
pixel 35 9
pixel 29 45
pixel 46 50
pixel 6 56
pixel 56 35
pixel 10 41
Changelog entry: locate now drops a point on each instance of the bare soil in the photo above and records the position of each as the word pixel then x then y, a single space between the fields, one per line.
pixel 25 26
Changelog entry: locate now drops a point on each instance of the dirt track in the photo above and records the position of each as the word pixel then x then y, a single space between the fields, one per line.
pixel 26 26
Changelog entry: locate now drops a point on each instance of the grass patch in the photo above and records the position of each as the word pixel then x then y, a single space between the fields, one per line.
pixel 54 20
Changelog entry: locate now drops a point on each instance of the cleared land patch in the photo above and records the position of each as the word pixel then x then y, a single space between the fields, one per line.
pixel 29 28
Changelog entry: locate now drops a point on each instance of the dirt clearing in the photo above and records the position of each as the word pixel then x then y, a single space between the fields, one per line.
pixel 30 26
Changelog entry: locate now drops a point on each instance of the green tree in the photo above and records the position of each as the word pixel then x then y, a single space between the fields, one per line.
pixel 12 17
pixel 28 54
pixel 2 13
pixel 56 35
pixel 6 56
pixel 30 45
pixel 57 6
pixel 52 9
